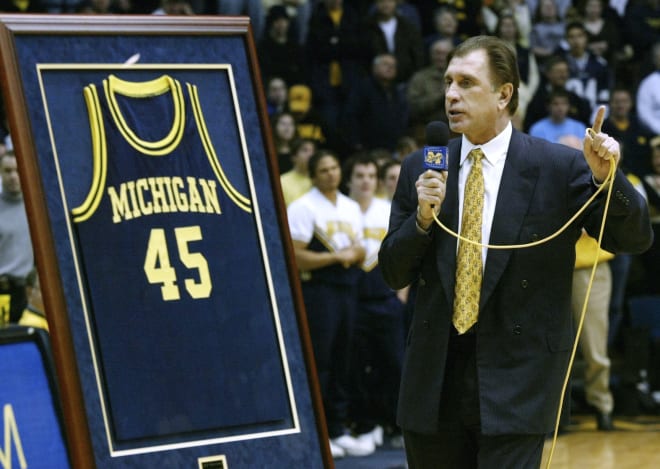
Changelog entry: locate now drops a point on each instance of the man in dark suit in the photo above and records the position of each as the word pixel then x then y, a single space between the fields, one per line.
pixel 487 396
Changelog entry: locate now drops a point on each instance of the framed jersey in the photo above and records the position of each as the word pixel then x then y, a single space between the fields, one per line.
pixel 152 191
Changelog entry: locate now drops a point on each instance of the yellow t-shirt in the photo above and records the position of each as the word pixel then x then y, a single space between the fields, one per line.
pixel 294 185
pixel 585 252
pixel 33 319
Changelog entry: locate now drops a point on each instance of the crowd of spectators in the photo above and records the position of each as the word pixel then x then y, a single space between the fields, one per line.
pixel 353 77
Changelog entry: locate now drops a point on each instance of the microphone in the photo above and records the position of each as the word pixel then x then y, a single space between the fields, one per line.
pixel 435 151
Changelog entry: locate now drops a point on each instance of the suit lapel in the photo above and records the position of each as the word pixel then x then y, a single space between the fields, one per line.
pixel 516 189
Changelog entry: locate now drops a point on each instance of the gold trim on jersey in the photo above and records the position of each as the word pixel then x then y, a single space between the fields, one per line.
pixel 147 89
pixel 325 236
pixel 99 157
pixel 378 234
pixel 239 199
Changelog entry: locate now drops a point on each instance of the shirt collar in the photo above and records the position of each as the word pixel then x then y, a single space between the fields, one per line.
pixel 494 150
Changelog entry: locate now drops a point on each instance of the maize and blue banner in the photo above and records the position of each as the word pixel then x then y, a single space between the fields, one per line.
pixel 32 435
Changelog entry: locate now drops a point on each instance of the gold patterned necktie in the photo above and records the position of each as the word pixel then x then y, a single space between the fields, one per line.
pixel 469 265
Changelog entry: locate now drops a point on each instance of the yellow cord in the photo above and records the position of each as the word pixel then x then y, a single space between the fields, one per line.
pixel 606 184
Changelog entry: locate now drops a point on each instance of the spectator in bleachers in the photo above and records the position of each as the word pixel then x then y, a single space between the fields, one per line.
pixel 507 29
pixel 296 181
pixel 376 112
pixel 603 32
pixel 279 54
pixel 590 76
pixel 388 32
pixel 492 10
pixel 642 31
pixel 298 11
pixel 309 122
pixel 445 26
pixel 337 55
pixel 326 229
pixel 648 94
pixel 277 95
pixel 379 335
pixel 593 339
pixel 388 177
pixel 468 14
pixel 16 256
pixel 404 147
pixel 284 133
pixel 563 7
pixel 548 30
pixel 651 258
pixel 557 124
pixel 622 124
pixel 426 90
pixel 556 77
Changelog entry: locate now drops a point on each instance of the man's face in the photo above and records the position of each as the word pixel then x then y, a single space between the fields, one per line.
pixel 446 23
pixel 439 52
pixel 386 8
pixel 304 153
pixel 558 74
pixel 327 175
pixel 285 127
pixel 364 180
pixel 391 179
pixel 385 68
pixel 559 108
pixel 277 91
pixel 471 99
pixel 11 183
pixel 593 9
pixel 577 41
pixel 280 27
pixel 548 10
pixel 620 104
pixel 508 29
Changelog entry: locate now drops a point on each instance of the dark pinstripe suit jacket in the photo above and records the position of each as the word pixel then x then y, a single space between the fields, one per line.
pixel 525 329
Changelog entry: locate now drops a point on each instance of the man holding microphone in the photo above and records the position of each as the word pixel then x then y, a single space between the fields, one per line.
pixel 491 336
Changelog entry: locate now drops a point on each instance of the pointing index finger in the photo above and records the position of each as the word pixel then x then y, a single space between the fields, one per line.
pixel 598 121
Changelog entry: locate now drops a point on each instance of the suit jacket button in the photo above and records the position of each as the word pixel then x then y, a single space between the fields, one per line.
pixel 517 329
pixel 426 324
pixel 535 237
pixel 524 283
pixel 422 282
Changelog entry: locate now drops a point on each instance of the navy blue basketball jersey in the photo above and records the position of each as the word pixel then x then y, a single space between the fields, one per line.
pixel 173 266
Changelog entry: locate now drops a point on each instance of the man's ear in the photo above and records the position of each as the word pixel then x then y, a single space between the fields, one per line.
pixel 506 93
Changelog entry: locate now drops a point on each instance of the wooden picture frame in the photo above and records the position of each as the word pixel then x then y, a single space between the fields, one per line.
pixel 160 234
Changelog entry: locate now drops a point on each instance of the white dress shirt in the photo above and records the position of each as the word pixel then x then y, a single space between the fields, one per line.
pixel 495 152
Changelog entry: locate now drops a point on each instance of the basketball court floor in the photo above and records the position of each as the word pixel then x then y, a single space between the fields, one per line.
pixel 635 444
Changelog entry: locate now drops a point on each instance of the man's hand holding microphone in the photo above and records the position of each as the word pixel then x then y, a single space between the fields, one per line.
pixel 431 184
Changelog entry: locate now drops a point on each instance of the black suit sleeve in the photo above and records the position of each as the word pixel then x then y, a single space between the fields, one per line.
pixel 628 228
pixel 403 248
